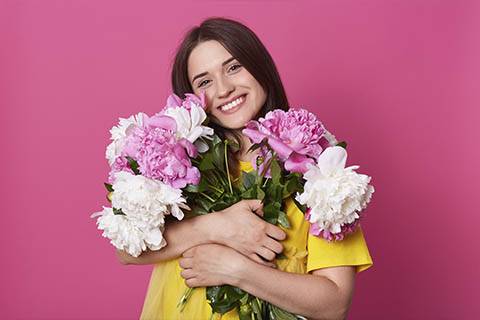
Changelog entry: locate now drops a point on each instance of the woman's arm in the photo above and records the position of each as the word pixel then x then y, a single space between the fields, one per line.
pixel 238 227
pixel 325 294
pixel 180 236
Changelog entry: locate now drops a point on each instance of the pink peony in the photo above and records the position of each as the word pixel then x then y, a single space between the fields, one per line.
pixel 160 155
pixel 294 135
pixel 175 101
pixel 264 156
pixel 120 164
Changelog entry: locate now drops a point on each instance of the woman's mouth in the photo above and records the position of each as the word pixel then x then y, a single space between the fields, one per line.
pixel 233 106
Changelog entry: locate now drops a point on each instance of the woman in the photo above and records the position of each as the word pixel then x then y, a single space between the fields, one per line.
pixel 228 62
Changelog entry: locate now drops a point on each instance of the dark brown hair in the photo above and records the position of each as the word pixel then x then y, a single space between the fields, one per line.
pixel 247 48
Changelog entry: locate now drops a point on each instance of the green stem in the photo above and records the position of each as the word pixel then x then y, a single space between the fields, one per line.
pixel 184 298
pixel 228 171
pixel 206 196
pixel 265 183
pixel 215 188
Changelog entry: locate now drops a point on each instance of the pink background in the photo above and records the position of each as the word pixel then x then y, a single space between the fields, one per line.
pixel 397 79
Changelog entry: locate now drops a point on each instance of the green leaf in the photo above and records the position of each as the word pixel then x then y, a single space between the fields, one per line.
pixel 234 292
pixel 260 193
pixel 133 165
pixel 108 186
pixel 244 312
pixel 292 186
pixel 275 171
pixel 216 140
pixel 270 213
pixel 234 146
pixel 191 188
pixel 283 220
pixel 204 186
pixel 219 157
pixel 250 193
pixel 248 178
pixel 257 307
pixel 281 314
pixel 118 211
pixel 342 144
pixel 223 298
pixel 207 162
pixel 204 203
pixel 219 206
pixel 280 256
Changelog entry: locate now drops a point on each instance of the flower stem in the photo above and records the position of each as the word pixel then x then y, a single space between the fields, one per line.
pixel 184 298
pixel 228 171
pixel 265 183
pixel 208 197
pixel 215 188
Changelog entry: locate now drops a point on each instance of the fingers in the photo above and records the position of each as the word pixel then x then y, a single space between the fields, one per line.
pixel 256 206
pixel 186 263
pixel 265 253
pixel 259 260
pixel 192 282
pixel 273 245
pixel 187 274
pixel 275 232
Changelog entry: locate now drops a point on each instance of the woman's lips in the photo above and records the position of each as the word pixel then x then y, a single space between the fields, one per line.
pixel 234 109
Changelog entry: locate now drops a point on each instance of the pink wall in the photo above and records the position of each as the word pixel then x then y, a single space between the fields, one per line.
pixel 396 79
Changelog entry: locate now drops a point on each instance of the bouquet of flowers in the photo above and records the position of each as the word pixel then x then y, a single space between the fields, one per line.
pixel 331 196
pixel 297 158
pixel 151 162
pixel 173 161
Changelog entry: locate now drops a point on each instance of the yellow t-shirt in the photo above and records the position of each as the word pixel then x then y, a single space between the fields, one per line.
pixel 304 253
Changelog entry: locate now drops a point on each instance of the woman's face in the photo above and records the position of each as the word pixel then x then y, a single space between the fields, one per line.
pixel 233 95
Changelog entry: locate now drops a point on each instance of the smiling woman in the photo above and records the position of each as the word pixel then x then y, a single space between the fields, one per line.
pixel 241 62
pixel 234 96
pixel 225 60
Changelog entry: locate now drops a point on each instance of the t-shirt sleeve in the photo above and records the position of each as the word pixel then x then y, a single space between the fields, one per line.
pixel 351 251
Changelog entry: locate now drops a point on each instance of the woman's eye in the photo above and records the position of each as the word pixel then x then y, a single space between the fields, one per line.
pixel 201 84
pixel 235 67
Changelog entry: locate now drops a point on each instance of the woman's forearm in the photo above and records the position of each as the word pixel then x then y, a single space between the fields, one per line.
pixel 180 236
pixel 315 297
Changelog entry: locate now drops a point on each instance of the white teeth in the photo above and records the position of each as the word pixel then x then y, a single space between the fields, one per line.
pixel 232 104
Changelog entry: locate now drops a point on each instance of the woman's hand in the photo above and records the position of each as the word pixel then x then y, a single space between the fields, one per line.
pixel 211 265
pixel 240 227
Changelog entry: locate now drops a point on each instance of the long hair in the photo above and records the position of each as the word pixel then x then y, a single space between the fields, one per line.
pixel 246 47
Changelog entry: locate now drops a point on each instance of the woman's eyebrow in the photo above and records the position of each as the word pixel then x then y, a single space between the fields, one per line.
pixel 205 73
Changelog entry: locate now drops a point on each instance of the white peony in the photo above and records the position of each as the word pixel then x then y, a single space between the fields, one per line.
pixel 118 134
pixel 146 199
pixel 124 234
pixel 333 193
pixel 144 202
pixel 189 124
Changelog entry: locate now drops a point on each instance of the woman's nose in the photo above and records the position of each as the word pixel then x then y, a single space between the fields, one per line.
pixel 224 88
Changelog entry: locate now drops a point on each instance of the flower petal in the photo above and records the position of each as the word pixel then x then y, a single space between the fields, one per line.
pixel 164 122
pixel 298 163
pixel 331 159
pixel 255 135
pixel 174 101
pixel 283 150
